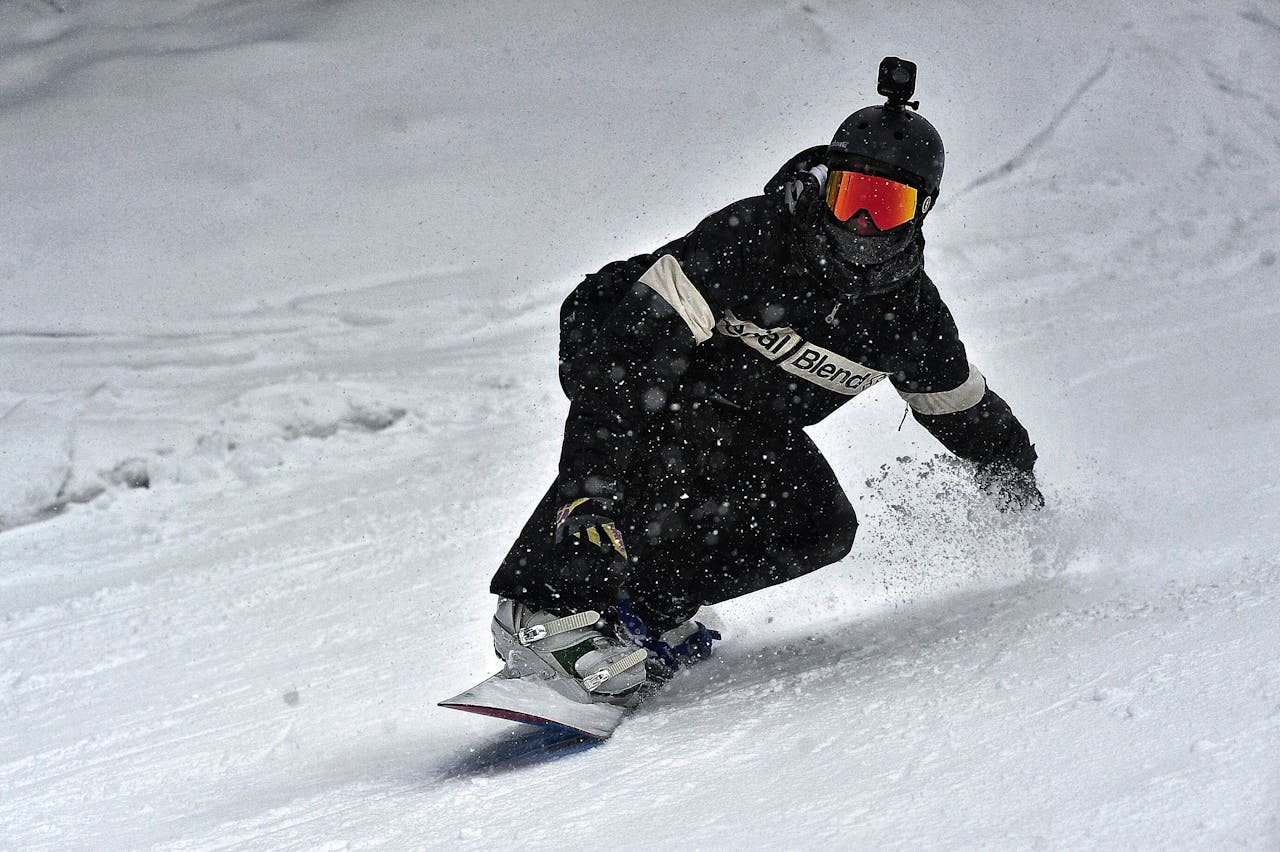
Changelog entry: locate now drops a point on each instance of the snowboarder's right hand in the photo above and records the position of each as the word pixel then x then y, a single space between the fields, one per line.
pixel 578 521
pixel 590 557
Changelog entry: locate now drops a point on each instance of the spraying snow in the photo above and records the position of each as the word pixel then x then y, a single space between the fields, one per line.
pixel 279 387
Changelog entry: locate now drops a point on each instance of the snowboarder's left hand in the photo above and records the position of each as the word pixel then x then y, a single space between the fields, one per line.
pixel 1013 490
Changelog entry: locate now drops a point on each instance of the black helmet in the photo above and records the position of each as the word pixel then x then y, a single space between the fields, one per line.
pixel 890 139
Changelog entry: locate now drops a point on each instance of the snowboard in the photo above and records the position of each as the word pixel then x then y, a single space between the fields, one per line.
pixel 537 700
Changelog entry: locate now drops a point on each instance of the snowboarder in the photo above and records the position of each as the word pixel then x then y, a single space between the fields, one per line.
pixel 686 477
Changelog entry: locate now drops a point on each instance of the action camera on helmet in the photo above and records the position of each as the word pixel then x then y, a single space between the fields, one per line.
pixel 897 82
pixel 891 141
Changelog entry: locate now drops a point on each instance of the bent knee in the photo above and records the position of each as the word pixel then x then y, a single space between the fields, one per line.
pixel 843 536
pixel 836 541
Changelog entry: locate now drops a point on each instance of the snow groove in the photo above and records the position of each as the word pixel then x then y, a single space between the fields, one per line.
pixel 1254 16
pixel 1038 141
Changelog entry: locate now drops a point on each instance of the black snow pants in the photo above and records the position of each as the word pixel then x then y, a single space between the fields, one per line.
pixel 718 504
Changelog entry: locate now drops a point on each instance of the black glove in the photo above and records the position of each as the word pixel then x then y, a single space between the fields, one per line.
pixel 590 558
pixel 1013 490
pixel 805 184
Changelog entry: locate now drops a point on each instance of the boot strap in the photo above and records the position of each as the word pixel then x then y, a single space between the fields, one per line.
pixel 556 626
pixel 597 679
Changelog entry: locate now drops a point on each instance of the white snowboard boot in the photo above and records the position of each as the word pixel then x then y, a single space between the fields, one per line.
pixel 580 655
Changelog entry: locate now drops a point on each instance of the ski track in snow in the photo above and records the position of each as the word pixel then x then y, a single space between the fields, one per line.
pixel 278 386
pixel 1042 136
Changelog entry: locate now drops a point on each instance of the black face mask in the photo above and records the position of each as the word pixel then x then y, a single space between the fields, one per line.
pixel 871 250
pixel 849 264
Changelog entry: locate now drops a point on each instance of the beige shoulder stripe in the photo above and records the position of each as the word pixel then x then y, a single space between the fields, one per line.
pixel 669 281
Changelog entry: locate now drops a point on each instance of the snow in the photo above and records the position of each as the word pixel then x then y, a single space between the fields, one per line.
pixel 277 389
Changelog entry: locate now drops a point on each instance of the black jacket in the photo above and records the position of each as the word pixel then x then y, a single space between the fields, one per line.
pixel 728 313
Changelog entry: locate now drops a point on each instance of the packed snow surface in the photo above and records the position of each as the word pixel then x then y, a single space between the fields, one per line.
pixel 278 291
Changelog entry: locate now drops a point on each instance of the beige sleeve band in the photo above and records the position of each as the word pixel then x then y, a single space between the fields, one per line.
pixel 966 396
pixel 669 281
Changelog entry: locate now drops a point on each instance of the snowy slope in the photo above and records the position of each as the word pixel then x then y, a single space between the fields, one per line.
pixel 294 267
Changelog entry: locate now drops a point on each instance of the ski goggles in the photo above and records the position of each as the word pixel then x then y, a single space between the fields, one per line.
pixel 888 202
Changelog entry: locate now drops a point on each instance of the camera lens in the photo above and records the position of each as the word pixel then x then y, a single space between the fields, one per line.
pixel 901 75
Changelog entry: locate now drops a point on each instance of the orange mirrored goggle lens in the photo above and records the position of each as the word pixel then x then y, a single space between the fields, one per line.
pixel 888 202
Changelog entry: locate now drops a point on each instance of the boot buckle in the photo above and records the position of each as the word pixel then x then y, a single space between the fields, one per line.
pixel 529 635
